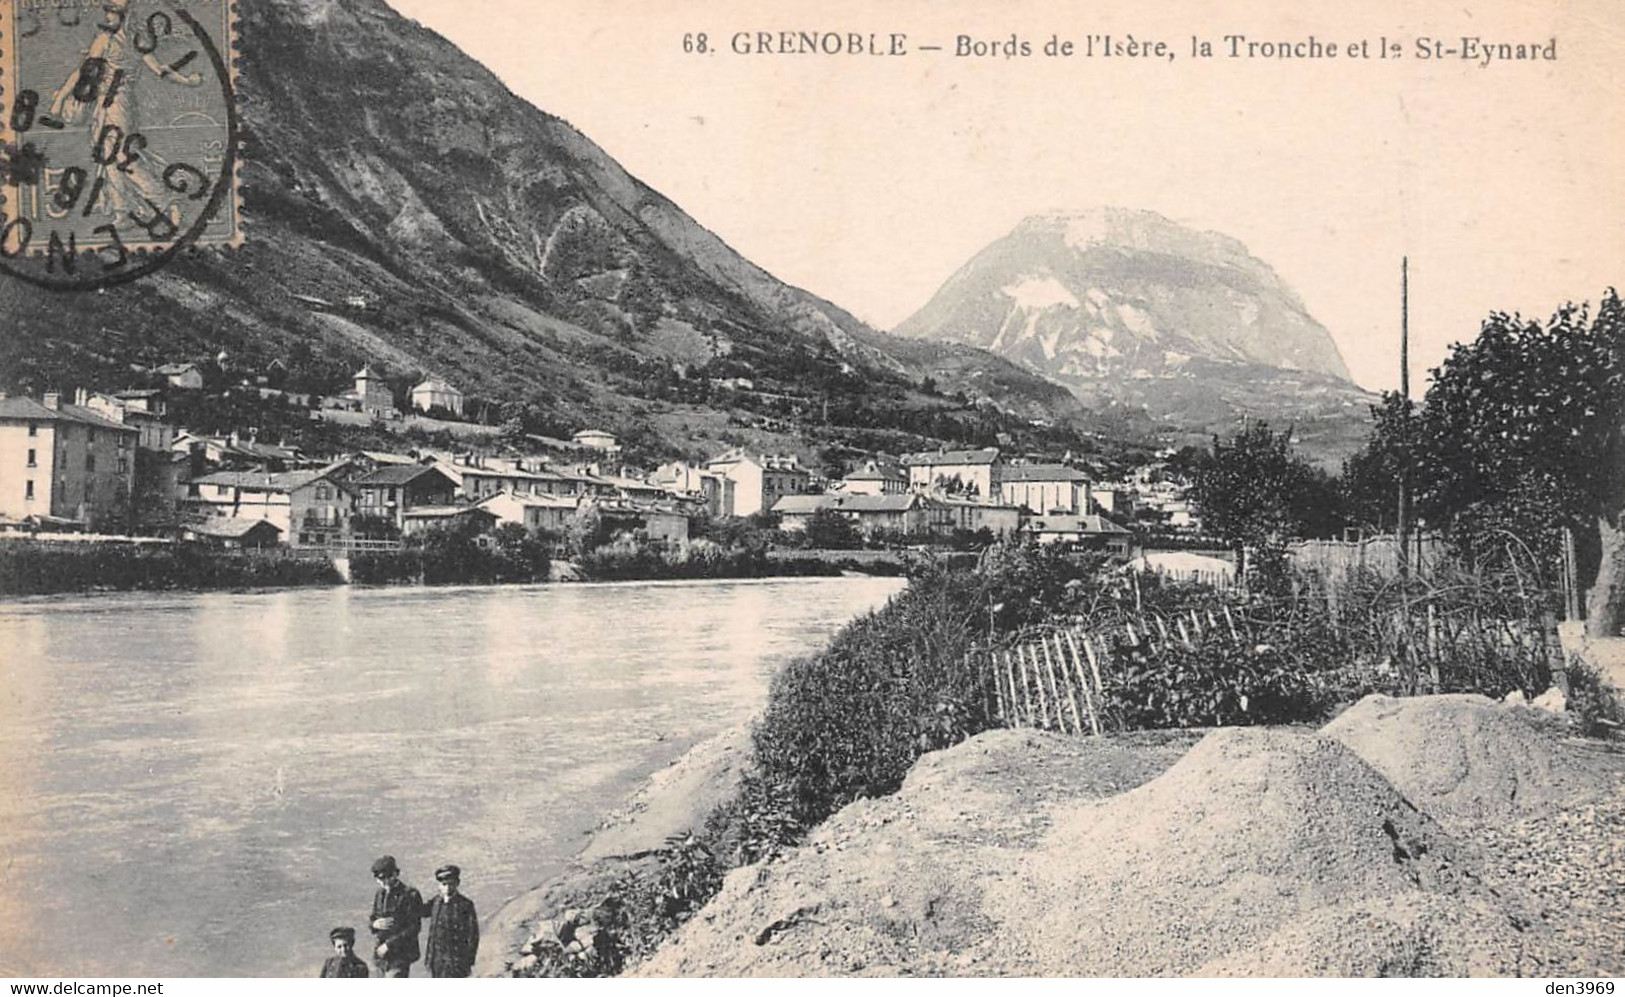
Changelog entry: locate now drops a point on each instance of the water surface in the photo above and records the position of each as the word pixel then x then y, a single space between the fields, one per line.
pixel 197 784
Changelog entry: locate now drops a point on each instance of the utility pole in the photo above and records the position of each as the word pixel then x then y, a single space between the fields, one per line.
pixel 1405 417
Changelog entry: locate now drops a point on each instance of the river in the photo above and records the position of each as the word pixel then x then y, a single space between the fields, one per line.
pixel 196 785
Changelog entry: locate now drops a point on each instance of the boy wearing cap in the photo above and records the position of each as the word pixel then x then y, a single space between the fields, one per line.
pixel 343 965
pixel 397 912
pixel 454 928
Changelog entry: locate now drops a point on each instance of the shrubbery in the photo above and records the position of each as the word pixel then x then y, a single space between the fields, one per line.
pixel 28 568
pixel 457 556
pixel 851 720
pixel 1215 682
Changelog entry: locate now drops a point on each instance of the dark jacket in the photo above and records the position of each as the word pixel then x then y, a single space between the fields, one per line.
pixel 454 936
pixel 405 905
pixel 345 967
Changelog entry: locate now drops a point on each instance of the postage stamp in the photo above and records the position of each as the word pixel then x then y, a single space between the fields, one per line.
pixel 118 136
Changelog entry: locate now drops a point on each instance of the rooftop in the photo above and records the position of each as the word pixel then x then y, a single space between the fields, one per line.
pixel 230 528
pixel 1074 524
pixel 259 481
pixel 444 512
pixel 435 384
pixel 1041 472
pixel 399 474
pixel 931 458
pixel 533 501
pixel 877 474
pixel 806 504
pixel 878 503
pixel 28 410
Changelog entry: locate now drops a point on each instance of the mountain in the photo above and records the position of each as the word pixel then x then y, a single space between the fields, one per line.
pixel 405 209
pixel 1128 307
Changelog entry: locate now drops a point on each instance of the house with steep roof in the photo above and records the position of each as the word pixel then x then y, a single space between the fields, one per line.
pixel 1091 532
pixel 911 512
pixel 482 477
pixel 436 393
pixel 876 477
pixel 389 491
pixel 533 512
pixel 66 462
pixel 181 375
pixel 371 394
pixel 311 508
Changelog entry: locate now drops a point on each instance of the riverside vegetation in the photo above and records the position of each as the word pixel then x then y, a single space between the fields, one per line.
pixel 850 721
pixel 28 568
pixel 441 556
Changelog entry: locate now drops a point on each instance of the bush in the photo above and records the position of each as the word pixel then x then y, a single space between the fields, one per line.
pixel 640 908
pixel 1597 705
pixel 850 721
pixel 28 568
pixel 457 556
pixel 829 530
pixel 1216 682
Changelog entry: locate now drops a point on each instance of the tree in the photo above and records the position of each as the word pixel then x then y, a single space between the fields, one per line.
pixel 1522 435
pixel 525 554
pixel 586 531
pixel 1371 476
pixel 829 530
pixel 1252 490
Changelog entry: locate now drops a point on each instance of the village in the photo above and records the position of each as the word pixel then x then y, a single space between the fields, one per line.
pixel 113 465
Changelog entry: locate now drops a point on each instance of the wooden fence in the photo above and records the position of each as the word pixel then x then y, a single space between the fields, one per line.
pixel 1050 677
pixel 1056 677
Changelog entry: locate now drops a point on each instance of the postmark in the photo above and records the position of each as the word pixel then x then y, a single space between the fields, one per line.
pixel 118 137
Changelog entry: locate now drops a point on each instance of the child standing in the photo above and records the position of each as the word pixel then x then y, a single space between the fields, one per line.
pixel 343 964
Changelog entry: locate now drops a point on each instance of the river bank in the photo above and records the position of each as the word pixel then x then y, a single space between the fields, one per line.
pixel 1442 835
pixel 675 800
pixel 1438 835
pixel 31 568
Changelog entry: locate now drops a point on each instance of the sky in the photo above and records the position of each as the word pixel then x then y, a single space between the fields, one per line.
pixel 869 180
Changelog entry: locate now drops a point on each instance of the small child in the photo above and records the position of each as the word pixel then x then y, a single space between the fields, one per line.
pixel 344 965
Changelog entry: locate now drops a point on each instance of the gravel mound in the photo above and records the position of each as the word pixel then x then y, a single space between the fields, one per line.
pixel 1439 836
pixel 1543 810
pixel 1259 848
pixel 1464 757
pixel 895 886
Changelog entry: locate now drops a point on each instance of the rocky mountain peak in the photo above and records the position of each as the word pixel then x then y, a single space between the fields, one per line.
pixel 1126 306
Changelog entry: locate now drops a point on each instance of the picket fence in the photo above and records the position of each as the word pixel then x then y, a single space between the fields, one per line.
pixel 1050 677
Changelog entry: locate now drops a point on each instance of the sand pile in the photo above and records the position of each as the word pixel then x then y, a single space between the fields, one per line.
pixel 1445 835
pixel 895 886
pixel 1260 850
pixel 1465 757
pixel 1543 810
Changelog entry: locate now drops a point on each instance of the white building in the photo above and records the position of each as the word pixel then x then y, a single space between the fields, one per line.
pixel 758 481
pixel 597 439
pixel 1046 489
pixel 435 393
pixel 971 473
